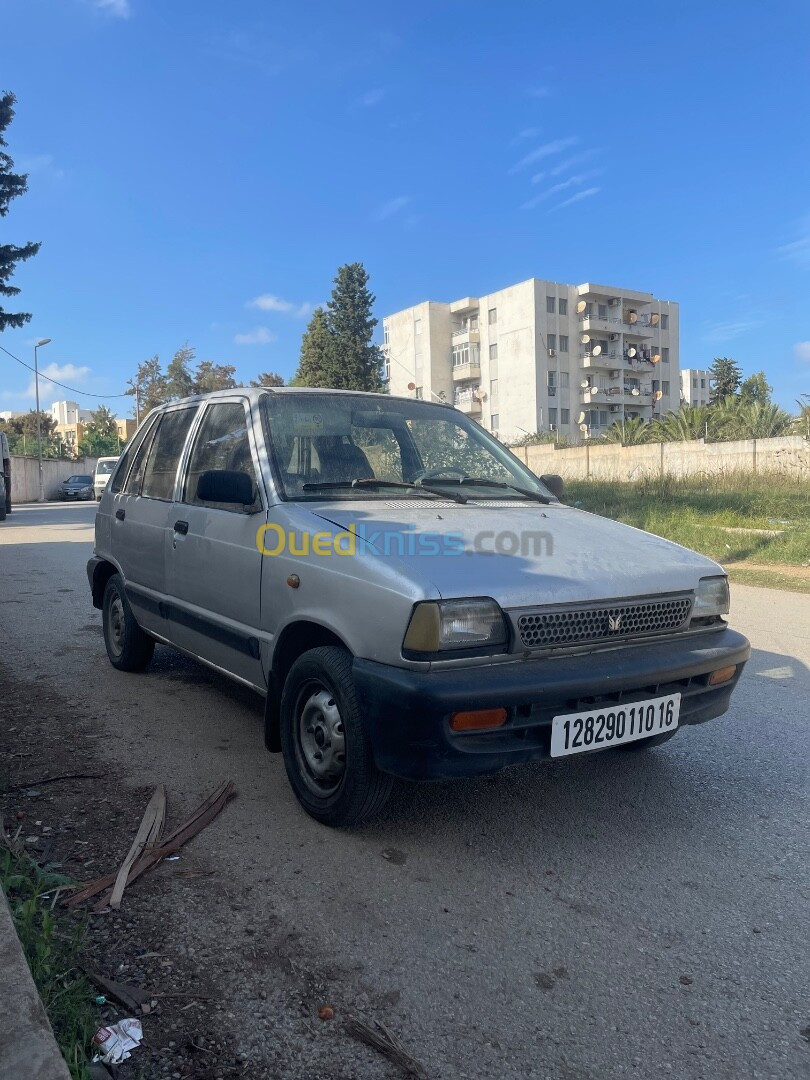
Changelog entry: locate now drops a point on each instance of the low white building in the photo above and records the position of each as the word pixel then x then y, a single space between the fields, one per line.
pixel 696 387
pixel 540 356
pixel 68 412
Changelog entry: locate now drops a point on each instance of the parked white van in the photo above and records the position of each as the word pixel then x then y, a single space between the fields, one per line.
pixel 105 467
pixel 410 599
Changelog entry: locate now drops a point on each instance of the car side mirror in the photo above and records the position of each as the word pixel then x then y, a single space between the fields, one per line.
pixel 225 486
pixel 554 484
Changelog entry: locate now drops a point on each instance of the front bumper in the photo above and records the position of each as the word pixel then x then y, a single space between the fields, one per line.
pixel 408 712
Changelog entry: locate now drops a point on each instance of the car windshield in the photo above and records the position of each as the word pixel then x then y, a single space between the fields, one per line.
pixel 104 468
pixel 79 480
pixel 323 443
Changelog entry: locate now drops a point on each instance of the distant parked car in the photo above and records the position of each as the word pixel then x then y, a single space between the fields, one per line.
pixel 105 467
pixel 77 487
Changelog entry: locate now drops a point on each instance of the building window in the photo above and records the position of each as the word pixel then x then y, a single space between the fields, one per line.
pixel 694 383
pixel 386 333
pixel 417 326
pixel 603 418
pixel 702 384
pixel 655 385
pixel 493 352
pixel 665 356
pixel 492 316
pixel 552 378
pixel 552 417
pixel 565 416
pixel 466 354
pixel 665 322
pixel 552 341
pixel 551 305
pixel 419 393
pixel 563 342
pixel 494 421
pixel 665 388
pixel 603 311
pixel 564 379
pixel 694 403
pixel 493 390
pixel 387 369
pixel 562 306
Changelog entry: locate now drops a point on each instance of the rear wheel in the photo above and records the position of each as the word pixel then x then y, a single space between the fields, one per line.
pixel 327 752
pixel 128 647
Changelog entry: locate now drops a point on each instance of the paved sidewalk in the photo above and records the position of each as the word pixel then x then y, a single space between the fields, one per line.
pixel 28 1050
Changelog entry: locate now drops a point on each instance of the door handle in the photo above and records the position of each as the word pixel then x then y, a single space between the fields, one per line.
pixel 120 514
pixel 181 527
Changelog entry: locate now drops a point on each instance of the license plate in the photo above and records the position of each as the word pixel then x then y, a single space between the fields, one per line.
pixel 604 726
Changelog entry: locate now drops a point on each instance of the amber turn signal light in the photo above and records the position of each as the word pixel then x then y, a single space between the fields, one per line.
pixel 478 719
pixel 723 674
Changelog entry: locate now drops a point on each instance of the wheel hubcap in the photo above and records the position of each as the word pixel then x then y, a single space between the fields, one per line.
pixel 322 741
pixel 117 625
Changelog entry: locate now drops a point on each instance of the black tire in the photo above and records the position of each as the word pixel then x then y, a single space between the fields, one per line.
pixel 319 688
pixel 128 647
pixel 2 511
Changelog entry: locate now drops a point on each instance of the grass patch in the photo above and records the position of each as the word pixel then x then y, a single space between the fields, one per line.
pixel 698 512
pixel 52 944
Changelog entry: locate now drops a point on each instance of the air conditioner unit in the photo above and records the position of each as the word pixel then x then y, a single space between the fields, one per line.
pixel 615 408
pixel 614 337
pixel 552 352
pixel 615 374
pixel 614 301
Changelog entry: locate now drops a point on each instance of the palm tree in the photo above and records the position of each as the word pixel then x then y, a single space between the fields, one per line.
pixel 688 423
pixel 756 420
pixel 802 421
pixel 632 432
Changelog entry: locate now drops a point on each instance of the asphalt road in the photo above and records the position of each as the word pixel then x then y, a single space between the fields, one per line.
pixel 608 916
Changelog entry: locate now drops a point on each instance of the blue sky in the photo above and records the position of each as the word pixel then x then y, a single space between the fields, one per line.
pixel 198 170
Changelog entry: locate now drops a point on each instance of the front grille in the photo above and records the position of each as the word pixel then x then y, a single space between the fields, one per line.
pixel 603 622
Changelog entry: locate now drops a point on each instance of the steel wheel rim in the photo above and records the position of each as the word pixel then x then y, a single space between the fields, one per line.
pixel 320 740
pixel 116 625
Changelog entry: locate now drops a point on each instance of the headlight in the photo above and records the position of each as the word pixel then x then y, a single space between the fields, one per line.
pixel 453 625
pixel 711 597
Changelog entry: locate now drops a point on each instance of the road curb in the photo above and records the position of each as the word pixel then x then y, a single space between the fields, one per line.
pixel 27 1044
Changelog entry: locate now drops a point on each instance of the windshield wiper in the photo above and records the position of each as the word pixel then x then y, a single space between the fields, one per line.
pixel 481 481
pixel 373 482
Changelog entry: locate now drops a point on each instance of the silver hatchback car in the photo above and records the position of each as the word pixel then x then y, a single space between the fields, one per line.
pixel 409 598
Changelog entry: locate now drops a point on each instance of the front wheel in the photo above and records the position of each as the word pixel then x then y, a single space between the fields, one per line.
pixel 128 647
pixel 327 752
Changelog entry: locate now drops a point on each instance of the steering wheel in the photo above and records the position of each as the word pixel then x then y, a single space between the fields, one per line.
pixel 433 474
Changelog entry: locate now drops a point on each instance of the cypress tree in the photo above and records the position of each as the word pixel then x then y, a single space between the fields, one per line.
pixel 11 185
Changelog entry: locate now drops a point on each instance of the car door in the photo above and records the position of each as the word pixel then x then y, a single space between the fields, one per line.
pixel 142 515
pixel 214 565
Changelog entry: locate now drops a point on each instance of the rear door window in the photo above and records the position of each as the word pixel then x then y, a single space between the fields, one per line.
pixel 124 462
pixel 165 454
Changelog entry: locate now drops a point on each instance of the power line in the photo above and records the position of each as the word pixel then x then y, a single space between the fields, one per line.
pixel 72 389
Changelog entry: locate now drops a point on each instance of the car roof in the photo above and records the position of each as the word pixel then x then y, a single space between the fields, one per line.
pixel 253 393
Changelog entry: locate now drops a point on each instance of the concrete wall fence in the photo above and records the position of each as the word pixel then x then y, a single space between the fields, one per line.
pixel 788 455
pixel 25 476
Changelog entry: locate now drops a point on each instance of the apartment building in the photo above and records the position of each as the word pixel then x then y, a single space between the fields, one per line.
pixel 540 356
pixel 71 422
pixel 696 387
pixel 68 412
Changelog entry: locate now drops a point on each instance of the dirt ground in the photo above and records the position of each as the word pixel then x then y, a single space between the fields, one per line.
pixel 159 940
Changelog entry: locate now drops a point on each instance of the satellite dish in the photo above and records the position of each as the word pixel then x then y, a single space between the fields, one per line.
pixel 411 385
pixel 580 418
pixel 635 391
pixel 656 357
pixel 583 428
pixel 584 384
pixel 631 352
pixel 632 317
pixel 596 350
pixel 655 318
pixel 658 395
pixel 585 339
pixel 581 307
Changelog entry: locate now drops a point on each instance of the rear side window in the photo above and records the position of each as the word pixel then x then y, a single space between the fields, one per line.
pixel 221 443
pixel 164 457
pixel 124 462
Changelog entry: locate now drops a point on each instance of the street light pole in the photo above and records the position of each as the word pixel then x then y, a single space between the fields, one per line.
pixel 41 342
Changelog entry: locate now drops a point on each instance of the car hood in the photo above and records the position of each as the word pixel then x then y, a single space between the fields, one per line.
pixel 559 554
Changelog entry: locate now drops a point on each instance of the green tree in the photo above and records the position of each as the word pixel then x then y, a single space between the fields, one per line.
pixel 756 390
pixel 100 435
pixel 632 432
pixel 353 362
pixel 315 348
pixel 688 423
pixel 22 434
pixel 726 378
pixel 151 386
pixel 11 185
pixel 802 421
pixel 268 378
pixel 210 377
pixel 756 420
pixel 179 380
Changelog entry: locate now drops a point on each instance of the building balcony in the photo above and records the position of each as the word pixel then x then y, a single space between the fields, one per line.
pixel 468 303
pixel 463 372
pixel 612 324
pixel 470 334
pixel 468 401
pixel 604 361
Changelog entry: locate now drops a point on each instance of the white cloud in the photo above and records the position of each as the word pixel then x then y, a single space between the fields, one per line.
pixel 371 98
pixel 575 159
pixel 586 194
pixel 391 208
pixel 538 92
pixel 801 350
pixel 546 150
pixel 798 250
pixel 572 181
pixel 725 331
pixel 271 302
pixel 119 8
pixel 65 373
pixel 526 133
pixel 260 335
